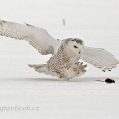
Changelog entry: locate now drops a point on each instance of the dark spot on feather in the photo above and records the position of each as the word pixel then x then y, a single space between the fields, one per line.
pixel 3 21
pixel 78 40
pixel 73 39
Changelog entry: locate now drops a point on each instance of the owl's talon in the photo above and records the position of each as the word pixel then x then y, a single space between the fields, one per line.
pixel 85 66
pixel 84 70
pixel 76 63
pixel 79 69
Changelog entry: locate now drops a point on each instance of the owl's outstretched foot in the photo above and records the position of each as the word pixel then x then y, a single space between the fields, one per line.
pixel 76 70
pixel 79 68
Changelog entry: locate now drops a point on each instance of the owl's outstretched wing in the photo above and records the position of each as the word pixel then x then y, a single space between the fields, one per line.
pixel 37 37
pixel 99 57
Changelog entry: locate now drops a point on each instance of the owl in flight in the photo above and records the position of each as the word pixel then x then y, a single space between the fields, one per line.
pixel 65 53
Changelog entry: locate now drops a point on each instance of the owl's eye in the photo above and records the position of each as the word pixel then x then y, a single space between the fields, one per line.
pixel 75 46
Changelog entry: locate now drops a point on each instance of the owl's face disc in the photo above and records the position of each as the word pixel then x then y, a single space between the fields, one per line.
pixel 74 46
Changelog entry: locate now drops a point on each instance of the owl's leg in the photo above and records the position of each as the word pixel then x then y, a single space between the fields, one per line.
pixel 75 71
pixel 79 69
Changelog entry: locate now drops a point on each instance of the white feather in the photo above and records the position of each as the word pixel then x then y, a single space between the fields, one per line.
pixel 99 58
pixel 37 37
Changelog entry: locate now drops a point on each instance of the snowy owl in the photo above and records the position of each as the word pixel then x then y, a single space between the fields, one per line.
pixel 65 53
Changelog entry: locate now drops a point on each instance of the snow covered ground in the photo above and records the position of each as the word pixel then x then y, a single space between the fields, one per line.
pixel 47 98
pixel 26 94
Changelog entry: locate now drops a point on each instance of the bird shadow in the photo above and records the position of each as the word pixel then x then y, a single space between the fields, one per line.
pixel 80 80
pixel 60 80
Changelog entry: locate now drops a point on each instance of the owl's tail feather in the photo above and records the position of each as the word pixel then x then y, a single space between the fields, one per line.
pixel 41 68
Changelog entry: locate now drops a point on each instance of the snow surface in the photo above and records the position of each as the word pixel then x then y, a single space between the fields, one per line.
pixel 95 22
pixel 81 98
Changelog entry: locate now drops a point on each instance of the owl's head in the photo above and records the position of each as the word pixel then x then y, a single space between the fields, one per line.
pixel 73 46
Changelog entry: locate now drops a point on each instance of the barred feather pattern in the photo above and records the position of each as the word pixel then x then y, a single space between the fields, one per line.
pixel 59 61
pixel 9 29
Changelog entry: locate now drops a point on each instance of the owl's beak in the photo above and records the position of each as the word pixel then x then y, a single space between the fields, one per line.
pixel 79 52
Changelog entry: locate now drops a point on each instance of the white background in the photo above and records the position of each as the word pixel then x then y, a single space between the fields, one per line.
pixel 95 22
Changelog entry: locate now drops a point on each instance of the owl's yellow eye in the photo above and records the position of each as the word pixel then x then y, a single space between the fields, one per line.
pixel 75 46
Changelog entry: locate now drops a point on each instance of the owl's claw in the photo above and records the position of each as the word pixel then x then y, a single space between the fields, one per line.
pixel 79 68
pixel 85 66
pixel 79 63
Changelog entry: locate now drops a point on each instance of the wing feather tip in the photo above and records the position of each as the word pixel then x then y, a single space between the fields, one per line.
pixel 28 24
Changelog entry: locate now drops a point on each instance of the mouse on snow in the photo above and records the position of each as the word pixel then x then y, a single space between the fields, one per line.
pixel 108 80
